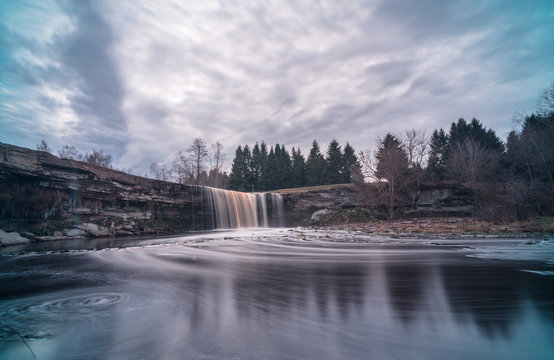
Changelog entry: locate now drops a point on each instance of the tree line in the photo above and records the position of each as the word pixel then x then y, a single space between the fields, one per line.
pixel 96 157
pixel 262 169
pixel 522 167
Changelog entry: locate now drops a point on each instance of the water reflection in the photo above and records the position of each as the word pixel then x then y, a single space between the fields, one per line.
pixel 253 300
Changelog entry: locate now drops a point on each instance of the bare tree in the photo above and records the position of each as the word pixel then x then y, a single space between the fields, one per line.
pixel 160 171
pixel 416 143
pixel 43 146
pixel 69 152
pixel 217 157
pixel 387 168
pixel 97 157
pixel 469 161
pixel 182 167
pixel 545 103
pixel 198 152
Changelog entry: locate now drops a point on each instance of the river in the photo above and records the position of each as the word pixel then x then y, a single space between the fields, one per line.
pixel 278 294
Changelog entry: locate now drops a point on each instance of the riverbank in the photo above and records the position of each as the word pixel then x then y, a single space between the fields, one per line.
pixel 449 227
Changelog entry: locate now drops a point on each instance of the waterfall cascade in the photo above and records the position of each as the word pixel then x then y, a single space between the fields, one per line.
pixel 226 209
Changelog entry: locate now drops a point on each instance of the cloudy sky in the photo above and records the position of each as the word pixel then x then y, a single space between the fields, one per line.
pixel 142 79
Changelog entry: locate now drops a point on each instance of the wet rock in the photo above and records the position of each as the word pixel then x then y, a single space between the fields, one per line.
pixel 12 238
pixel 74 232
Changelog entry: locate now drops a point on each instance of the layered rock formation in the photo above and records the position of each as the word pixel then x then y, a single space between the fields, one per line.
pixel 348 203
pixel 45 197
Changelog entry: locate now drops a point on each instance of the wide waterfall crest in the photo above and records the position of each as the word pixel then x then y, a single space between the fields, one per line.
pixel 227 209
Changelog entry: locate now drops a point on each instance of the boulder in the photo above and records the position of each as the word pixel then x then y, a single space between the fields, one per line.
pixel 11 238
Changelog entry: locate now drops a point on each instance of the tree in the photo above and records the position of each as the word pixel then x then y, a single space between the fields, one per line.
pixel 415 143
pixel 43 146
pixel 351 165
pixel 469 161
pixel 160 171
pixel 545 103
pixel 69 152
pixel 182 168
pixel 217 158
pixel 284 168
pixel 298 169
pixel 256 167
pixel 438 148
pixel 316 166
pixel 392 168
pixel 97 157
pixel 529 162
pixel 262 161
pixel 198 153
pixel 238 178
pixel 335 165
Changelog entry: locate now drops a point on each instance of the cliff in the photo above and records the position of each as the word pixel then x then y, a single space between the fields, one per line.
pixel 44 197
pixel 348 203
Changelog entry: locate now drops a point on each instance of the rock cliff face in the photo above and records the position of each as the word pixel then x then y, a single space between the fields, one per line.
pixel 45 197
pixel 345 203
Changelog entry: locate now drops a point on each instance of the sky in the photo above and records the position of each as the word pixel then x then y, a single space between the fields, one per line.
pixel 142 79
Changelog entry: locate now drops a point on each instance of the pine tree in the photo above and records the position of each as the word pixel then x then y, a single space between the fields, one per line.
pixel 271 173
pixel 316 167
pixel 438 147
pixel 351 164
pixel 298 169
pixel 334 161
pixel 263 167
pixel 392 166
pixel 255 167
pixel 239 171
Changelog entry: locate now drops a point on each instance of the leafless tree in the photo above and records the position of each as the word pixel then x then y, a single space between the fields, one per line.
pixel 198 152
pixel 545 103
pixel 69 152
pixel 217 158
pixel 160 171
pixel 98 157
pixel 416 144
pixel 470 162
pixel 43 146
pixel 182 167
pixel 387 169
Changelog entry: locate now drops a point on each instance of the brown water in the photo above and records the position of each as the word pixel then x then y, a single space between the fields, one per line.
pixel 271 294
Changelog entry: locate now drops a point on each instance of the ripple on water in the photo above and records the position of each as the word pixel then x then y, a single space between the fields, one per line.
pixel 31 318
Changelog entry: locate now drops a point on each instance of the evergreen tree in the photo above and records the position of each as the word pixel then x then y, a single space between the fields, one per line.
pixel 316 167
pixel 487 138
pixel 334 161
pixel 249 178
pixel 284 166
pixel 351 166
pixel 298 169
pixel 392 166
pixel 263 167
pixel 438 146
pixel 238 178
pixel 256 167
pixel 271 172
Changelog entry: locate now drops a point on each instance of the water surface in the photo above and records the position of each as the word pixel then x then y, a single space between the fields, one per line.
pixel 280 294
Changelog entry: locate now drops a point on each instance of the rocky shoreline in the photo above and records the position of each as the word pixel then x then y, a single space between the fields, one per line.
pixel 450 227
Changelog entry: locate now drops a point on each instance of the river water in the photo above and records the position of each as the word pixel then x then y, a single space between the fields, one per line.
pixel 279 294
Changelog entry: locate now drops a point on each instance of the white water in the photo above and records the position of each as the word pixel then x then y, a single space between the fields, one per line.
pixel 234 209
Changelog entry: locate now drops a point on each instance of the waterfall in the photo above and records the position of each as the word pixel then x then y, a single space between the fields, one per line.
pixel 226 209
